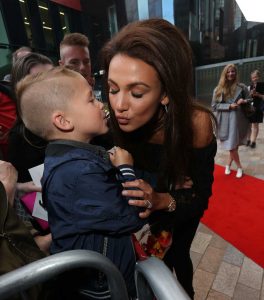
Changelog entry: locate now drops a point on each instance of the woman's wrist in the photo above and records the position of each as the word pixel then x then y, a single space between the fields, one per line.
pixel 165 201
pixel 172 205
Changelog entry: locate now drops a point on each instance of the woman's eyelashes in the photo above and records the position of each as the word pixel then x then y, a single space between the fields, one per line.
pixel 135 95
pixel 113 92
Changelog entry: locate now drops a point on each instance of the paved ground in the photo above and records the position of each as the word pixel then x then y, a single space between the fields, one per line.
pixel 221 271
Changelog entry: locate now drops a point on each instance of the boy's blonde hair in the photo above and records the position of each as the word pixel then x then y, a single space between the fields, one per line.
pixel 41 94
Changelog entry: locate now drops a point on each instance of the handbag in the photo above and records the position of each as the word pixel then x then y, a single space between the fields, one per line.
pixel 248 109
pixel 17 246
pixel 148 242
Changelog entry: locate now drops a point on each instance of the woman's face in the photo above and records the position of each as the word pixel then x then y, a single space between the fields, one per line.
pixel 231 74
pixel 254 78
pixel 134 92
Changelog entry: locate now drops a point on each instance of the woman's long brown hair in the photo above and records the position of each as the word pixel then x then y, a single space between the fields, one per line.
pixel 162 46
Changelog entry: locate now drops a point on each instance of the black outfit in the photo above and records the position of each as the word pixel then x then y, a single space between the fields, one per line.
pixel 25 150
pixel 257 117
pixel 191 204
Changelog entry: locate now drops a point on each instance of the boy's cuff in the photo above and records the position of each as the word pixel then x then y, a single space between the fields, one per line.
pixel 127 172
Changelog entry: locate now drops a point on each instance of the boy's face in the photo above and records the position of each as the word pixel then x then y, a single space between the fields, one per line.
pixel 86 113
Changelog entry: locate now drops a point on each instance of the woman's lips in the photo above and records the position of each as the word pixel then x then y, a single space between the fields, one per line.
pixel 122 120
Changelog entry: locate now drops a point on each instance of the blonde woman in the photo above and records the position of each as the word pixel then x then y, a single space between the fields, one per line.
pixel 228 97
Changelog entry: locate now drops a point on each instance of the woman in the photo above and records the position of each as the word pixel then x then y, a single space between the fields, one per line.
pixel 31 148
pixel 258 103
pixel 228 97
pixel 148 66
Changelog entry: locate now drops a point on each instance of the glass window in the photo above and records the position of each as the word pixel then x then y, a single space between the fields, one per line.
pixel 64 18
pixel 112 20
pixel 143 12
pixel 26 18
pixel 46 23
pixel 131 10
pixel 168 10
pixel 155 8
pixel 5 53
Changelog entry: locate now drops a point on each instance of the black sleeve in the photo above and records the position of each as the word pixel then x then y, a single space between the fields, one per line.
pixel 192 202
pixel 22 155
pixel 127 173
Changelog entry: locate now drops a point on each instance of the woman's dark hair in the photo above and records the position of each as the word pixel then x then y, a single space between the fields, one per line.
pixel 24 64
pixel 162 46
pixel 20 69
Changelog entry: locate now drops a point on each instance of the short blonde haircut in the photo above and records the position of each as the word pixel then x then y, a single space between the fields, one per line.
pixel 41 94
pixel 73 39
pixel 256 72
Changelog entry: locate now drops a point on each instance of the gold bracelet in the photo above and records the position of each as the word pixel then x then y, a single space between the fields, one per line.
pixel 172 205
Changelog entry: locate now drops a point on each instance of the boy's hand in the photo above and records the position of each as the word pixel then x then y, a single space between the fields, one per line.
pixel 27 187
pixel 119 156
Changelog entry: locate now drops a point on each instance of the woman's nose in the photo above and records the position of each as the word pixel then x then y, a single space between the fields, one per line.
pixel 122 103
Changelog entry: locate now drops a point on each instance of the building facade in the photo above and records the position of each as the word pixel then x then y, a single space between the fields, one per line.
pixel 216 29
pixel 40 24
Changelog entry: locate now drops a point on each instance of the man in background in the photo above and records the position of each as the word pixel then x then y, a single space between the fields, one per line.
pixel 74 54
pixel 20 52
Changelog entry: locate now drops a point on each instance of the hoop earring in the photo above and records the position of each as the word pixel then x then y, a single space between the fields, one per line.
pixel 166 108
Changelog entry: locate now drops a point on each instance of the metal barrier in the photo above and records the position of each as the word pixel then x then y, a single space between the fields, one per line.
pixel 153 277
pixel 46 268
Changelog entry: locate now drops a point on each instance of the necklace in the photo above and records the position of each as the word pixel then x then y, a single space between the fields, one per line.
pixel 29 142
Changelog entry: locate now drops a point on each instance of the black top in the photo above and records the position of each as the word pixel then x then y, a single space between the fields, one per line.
pixel 257 117
pixel 25 151
pixel 190 202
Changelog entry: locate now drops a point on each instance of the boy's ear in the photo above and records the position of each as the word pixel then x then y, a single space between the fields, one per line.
pixel 61 122
pixel 164 100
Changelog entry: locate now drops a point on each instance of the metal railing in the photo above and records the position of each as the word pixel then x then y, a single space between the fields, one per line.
pixel 153 277
pixel 46 268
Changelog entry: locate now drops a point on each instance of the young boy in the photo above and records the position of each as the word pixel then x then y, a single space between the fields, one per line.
pixel 80 188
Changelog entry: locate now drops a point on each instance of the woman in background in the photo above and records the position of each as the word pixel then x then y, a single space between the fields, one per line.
pixel 228 97
pixel 258 102
pixel 31 148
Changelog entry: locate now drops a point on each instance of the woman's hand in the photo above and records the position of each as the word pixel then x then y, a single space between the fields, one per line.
pixel 259 95
pixel 144 196
pixel 119 156
pixel 241 101
pixel 233 106
pixel 43 242
pixel 26 187
pixel 187 184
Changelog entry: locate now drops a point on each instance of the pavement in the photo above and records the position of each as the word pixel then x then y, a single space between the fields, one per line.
pixel 222 272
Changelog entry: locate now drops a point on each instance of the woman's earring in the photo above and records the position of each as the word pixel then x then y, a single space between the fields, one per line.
pixel 166 108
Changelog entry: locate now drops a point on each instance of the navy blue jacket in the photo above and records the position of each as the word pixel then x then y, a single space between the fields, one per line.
pixel 84 202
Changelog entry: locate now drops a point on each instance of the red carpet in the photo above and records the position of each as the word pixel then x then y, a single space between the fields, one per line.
pixel 236 213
